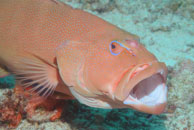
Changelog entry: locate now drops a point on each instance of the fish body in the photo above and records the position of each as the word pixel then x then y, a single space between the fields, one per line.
pixel 51 47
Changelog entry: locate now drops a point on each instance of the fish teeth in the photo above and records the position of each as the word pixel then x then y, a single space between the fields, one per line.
pixel 131 100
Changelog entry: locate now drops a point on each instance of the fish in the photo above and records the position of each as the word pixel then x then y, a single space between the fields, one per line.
pixel 54 49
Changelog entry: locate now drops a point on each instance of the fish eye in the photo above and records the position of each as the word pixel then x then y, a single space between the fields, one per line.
pixel 115 47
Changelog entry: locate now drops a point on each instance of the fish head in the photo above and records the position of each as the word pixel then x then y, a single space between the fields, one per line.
pixel 120 73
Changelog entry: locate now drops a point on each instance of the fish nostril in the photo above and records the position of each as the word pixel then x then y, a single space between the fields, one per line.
pixel 133 43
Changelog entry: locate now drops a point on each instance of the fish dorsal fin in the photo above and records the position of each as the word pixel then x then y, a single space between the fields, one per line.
pixel 37 75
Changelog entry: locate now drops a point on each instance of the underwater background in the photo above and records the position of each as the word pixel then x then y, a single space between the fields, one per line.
pixel 166 28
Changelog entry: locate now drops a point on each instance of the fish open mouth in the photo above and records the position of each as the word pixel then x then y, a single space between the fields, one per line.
pixel 150 92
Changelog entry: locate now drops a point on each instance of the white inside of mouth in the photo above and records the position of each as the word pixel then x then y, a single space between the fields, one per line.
pixel 150 92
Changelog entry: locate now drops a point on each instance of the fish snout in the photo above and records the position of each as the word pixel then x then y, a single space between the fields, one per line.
pixel 144 88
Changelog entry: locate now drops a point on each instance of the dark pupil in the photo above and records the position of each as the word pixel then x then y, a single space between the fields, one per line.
pixel 113 46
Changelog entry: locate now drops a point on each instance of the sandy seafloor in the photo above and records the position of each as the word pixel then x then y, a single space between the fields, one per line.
pixel 166 28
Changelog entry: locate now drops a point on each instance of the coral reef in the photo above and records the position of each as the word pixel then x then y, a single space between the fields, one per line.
pixel 12 109
pixel 17 104
pixel 180 97
pixel 184 8
pixel 100 6
pixel 182 76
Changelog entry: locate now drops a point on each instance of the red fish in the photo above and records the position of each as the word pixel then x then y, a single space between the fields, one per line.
pixel 52 48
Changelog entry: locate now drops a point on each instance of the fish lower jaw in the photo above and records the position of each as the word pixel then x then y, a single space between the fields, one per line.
pixel 156 97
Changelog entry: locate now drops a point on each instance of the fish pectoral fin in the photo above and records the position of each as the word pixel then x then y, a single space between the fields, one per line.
pixel 3 72
pixel 37 76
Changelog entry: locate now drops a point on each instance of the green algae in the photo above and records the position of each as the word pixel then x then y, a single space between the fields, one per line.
pixel 7 82
pixel 86 118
